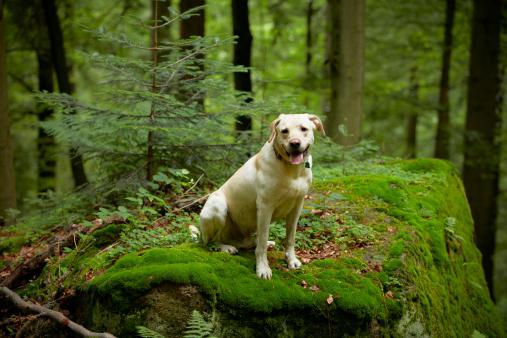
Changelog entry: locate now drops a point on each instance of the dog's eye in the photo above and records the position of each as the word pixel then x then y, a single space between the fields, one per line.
pixel 285 131
pixel 303 129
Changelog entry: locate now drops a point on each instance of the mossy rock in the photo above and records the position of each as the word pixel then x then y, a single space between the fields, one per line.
pixel 407 266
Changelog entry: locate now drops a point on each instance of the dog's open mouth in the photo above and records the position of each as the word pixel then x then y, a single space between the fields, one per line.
pixel 297 157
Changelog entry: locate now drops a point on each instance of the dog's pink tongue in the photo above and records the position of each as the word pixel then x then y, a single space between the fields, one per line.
pixel 296 159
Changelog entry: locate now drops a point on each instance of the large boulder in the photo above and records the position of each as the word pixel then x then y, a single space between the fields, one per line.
pixel 388 250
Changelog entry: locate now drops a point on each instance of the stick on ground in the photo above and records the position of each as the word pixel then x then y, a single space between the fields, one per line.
pixel 55 315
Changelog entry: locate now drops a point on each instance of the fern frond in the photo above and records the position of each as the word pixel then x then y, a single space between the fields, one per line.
pixel 144 332
pixel 198 327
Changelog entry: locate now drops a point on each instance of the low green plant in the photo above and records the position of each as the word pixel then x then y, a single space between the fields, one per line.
pixel 198 327
pixel 144 332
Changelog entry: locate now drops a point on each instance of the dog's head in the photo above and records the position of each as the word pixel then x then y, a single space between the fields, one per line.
pixel 292 135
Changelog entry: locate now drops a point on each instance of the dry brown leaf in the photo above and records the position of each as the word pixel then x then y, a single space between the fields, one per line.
pixel 316 212
pixel 315 288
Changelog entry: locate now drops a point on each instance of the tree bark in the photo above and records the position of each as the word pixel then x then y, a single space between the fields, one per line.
pixel 7 179
pixel 242 57
pixel 309 48
pixel 343 120
pixel 62 75
pixel 483 125
pixel 193 26
pixel 45 143
pixel 443 128
pixel 412 117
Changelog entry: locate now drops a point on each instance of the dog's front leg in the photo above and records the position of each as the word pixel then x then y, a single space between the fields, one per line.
pixel 290 237
pixel 264 214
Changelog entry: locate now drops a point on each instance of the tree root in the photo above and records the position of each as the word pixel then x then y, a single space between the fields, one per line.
pixel 52 314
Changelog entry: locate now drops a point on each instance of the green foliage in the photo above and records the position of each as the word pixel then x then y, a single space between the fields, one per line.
pixel 198 327
pixel 151 113
pixel 144 332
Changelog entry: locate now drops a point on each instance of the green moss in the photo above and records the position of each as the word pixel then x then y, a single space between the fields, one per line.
pixel 412 265
pixel 232 281
pixel 107 235
pixel 12 244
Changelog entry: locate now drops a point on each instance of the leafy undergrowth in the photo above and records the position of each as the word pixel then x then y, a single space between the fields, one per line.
pixel 386 242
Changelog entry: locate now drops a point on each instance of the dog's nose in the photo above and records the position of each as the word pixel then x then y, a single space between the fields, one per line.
pixel 295 144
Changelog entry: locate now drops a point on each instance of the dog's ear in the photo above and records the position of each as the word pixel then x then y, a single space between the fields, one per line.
pixel 273 128
pixel 318 123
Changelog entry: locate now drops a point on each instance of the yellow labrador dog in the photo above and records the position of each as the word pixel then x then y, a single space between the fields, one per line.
pixel 269 186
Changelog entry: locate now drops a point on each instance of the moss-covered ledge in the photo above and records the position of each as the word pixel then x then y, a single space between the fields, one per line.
pixel 402 262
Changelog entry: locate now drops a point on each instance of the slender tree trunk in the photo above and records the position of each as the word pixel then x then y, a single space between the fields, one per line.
pixel 164 33
pixel 7 179
pixel 45 142
pixel 242 56
pixel 483 125
pixel 412 115
pixel 443 127
pixel 62 75
pixel 193 26
pixel 154 58
pixel 343 122
pixel 309 49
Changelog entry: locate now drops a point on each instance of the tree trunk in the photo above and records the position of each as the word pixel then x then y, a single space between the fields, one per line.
pixel 483 125
pixel 164 33
pixel 412 117
pixel 45 142
pixel 242 56
pixel 343 121
pixel 443 128
pixel 193 26
pixel 62 75
pixel 309 49
pixel 7 179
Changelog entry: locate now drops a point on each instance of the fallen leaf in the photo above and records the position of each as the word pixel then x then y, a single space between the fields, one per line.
pixel 389 294
pixel 316 212
pixel 315 288
pixel 330 299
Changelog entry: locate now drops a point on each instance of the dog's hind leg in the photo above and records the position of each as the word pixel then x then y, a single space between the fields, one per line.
pixel 214 222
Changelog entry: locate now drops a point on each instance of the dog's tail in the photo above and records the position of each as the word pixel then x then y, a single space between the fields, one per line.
pixel 195 233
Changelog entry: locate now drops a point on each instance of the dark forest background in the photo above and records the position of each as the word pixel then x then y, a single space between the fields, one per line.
pixel 138 86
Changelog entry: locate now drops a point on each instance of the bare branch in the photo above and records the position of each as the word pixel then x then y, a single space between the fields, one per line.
pixel 52 314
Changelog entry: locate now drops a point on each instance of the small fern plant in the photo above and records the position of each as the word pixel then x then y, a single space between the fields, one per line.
pixel 198 327
pixel 144 332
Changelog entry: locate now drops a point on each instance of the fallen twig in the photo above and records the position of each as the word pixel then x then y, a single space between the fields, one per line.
pixel 193 186
pixel 192 203
pixel 55 315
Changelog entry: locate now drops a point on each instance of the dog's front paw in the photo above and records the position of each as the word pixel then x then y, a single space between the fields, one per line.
pixel 294 263
pixel 228 248
pixel 264 271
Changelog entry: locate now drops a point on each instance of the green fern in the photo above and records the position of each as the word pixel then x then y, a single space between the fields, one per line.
pixel 198 327
pixel 144 332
